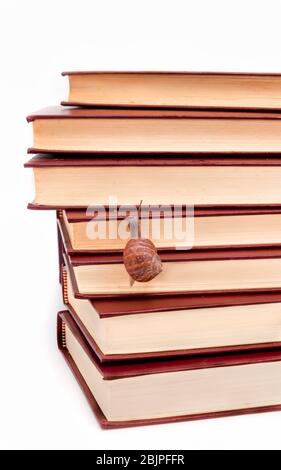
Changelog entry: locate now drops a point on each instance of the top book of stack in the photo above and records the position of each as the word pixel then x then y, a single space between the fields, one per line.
pixel 164 113
pixel 190 90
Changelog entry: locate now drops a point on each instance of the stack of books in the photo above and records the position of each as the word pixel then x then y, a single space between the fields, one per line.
pixel 167 192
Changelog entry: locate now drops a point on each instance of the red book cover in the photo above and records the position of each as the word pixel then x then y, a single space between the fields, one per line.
pixel 119 370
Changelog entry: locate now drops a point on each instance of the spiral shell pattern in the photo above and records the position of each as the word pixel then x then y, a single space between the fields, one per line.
pixel 141 260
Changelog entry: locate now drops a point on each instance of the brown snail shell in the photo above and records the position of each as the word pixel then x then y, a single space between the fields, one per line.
pixel 141 259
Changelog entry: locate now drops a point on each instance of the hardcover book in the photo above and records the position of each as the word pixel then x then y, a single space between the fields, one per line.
pixel 103 274
pixel 176 389
pixel 175 89
pixel 136 328
pixel 149 132
pixel 167 227
pixel 217 180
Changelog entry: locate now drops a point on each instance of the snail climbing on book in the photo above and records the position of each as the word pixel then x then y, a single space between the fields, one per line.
pixel 140 256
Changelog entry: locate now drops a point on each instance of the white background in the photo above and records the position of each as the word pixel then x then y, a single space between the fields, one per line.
pixel 41 406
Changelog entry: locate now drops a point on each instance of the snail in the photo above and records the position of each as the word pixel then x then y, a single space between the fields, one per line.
pixel 140 256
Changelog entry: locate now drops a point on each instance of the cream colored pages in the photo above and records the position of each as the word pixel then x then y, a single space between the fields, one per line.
pixel 206 231
pixel 84 186
pixel 176 90
pixel 182 329
pixel 158 135
pixel 189 276
pixel 114 234
pixel 180 393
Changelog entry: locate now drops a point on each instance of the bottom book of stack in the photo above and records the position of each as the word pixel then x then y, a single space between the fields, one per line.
pixel 159 390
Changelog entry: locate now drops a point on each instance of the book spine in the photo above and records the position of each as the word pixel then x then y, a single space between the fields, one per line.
pixel 64 286
pixel 63 335
pixel 60 249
